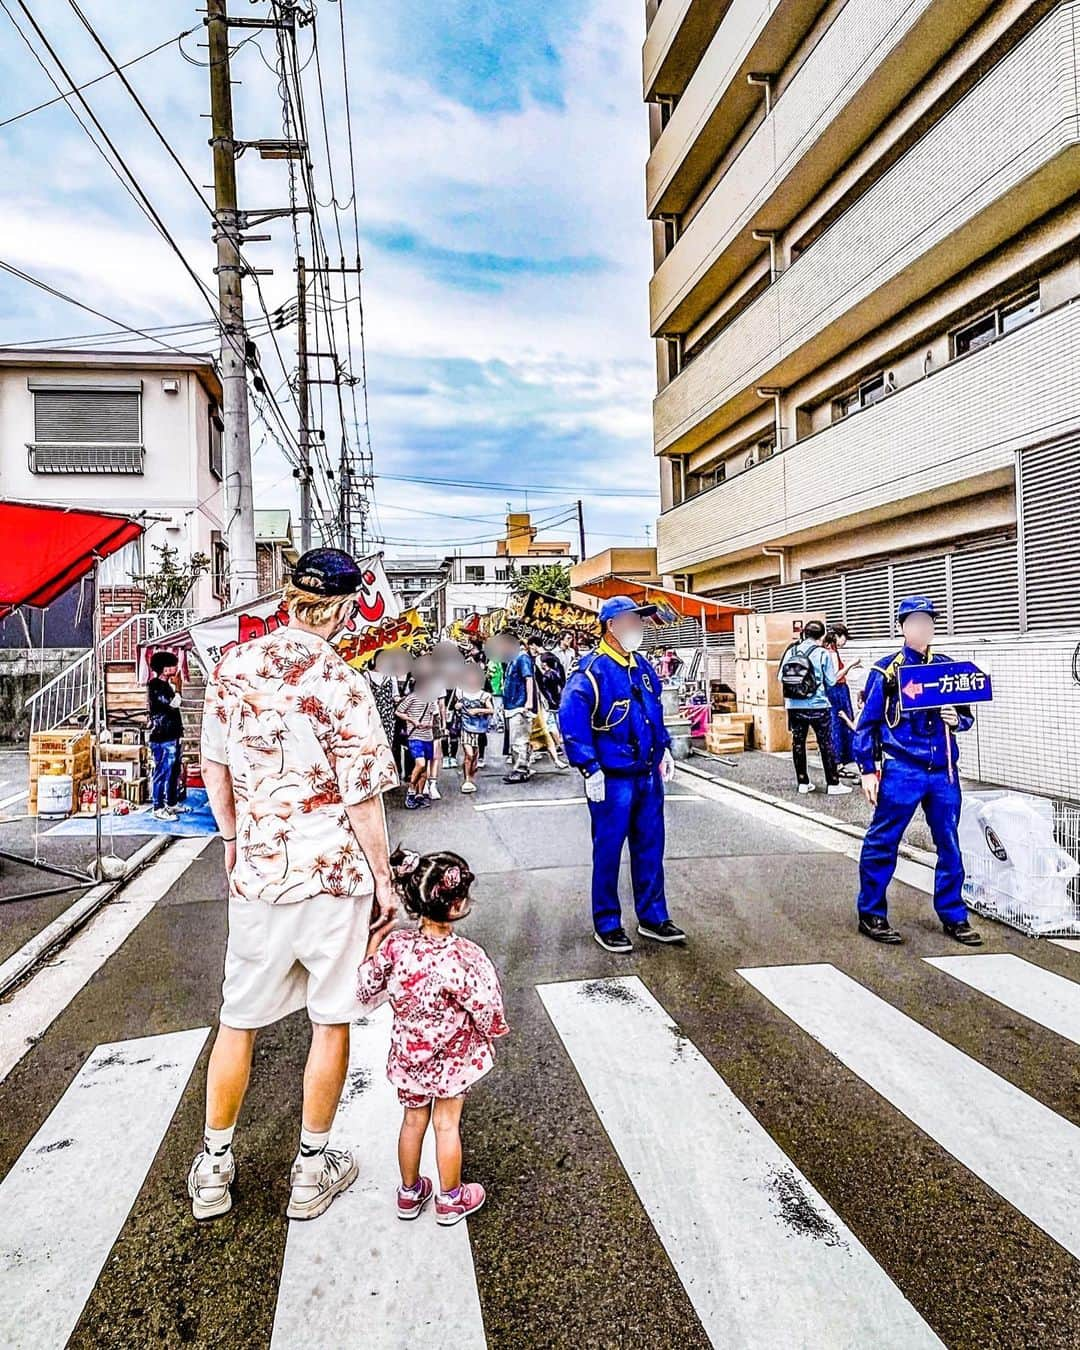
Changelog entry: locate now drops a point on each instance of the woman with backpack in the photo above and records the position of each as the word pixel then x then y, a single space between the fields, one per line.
pixel 806 675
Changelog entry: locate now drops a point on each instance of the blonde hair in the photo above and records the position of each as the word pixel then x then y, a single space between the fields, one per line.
pixel 315 610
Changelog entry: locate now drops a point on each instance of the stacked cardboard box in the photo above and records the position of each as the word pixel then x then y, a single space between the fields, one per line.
pixel 729 733
pixel 60 752
pixel 126 762
pixel 760 641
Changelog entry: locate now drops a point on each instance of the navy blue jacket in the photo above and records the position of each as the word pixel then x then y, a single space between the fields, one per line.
pixel 610 716
pixel 915 738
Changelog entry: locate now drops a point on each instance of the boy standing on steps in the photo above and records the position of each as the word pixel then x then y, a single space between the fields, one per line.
pixel 166 733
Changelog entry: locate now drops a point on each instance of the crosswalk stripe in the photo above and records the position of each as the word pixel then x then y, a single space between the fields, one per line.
pixel 359 1275
pixel 762 1257
pixel 1015 1144
pixel 37 1003
pixel 67 1197
pixel 1035 993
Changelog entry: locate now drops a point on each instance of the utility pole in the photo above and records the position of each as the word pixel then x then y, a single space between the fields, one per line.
pixel 239 503
pixel 581 529
pixel 304 471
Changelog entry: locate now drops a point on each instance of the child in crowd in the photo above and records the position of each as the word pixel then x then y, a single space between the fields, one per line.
pixel 475 709
pixel 419 711
pixel 448 1010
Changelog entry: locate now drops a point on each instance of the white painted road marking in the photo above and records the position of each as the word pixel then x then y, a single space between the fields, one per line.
pixel 560 801
pixel 359 1275
pixel 1037 994
pixel 1015 1144
pixel 64 1202
pixel 36 1004
pixel 15 797
pixel 764 1260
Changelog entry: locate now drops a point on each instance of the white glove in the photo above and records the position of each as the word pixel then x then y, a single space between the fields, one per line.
pixel 950 717
pixel 667 767
pixel 595 786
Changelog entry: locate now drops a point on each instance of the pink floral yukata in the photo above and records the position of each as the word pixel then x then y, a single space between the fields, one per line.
pixel 447 1007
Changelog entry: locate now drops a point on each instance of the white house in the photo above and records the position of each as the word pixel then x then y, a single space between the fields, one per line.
pixel 138 432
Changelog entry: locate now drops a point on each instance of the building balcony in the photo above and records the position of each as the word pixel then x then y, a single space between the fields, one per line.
pixel 1005 155
pixel 679 32
pixel 952 435
pixel 863 67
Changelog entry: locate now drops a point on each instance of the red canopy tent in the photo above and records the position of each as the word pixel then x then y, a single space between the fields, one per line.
pixel 47 548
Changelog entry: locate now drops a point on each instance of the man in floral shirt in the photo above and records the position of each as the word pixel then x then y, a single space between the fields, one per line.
pixel 295 761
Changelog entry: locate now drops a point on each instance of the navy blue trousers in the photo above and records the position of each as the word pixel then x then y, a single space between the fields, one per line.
pixel 632 812
pixel 166 779
pixel 904 789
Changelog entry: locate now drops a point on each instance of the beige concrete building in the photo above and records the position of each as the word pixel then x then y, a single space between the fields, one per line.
pixel 864 302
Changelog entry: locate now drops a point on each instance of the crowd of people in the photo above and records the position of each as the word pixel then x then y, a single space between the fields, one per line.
pixel 299 749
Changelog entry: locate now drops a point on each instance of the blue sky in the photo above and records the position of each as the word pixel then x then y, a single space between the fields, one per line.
pixel 500 152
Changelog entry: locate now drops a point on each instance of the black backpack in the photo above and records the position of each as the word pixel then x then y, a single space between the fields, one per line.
pixel 798 674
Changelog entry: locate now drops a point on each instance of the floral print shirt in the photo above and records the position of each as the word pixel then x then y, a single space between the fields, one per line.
pixel 299 731
pixel 447 1007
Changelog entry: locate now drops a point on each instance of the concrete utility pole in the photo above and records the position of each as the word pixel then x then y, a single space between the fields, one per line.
pixel 304 471
pixel 239 503
pixel 581 529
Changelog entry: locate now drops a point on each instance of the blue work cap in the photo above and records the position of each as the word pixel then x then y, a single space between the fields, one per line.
pixel 622 604
pixel 915 604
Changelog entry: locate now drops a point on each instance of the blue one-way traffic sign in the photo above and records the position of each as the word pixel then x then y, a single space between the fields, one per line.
pixel 943 683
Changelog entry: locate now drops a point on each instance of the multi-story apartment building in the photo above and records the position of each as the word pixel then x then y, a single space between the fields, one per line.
pixel 135 432
pixel 866 216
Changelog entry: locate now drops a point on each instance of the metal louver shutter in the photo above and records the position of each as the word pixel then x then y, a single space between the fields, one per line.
pixel 826 593
pixel 1049 475
pixel 867 610
pixel 923 576
pixel 985 590
pixel 786 598
pixel 87 416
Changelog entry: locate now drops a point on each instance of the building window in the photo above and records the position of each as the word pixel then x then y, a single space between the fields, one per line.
pixel 1004 319
pixel 219 566
pixel 668 104
pixel 474 573
pixel 86 429
pixel 216 429
pixel 868 393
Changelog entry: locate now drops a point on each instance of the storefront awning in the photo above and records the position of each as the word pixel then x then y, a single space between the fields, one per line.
pixel 718 618
pixel 48 548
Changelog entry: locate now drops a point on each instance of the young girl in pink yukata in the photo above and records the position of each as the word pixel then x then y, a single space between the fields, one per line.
pixel 448 1010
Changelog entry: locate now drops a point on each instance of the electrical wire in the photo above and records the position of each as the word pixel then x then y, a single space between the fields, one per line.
pixel 584 490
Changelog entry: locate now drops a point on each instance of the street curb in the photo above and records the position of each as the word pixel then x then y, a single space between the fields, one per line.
pixel 22 963
pixel 915 855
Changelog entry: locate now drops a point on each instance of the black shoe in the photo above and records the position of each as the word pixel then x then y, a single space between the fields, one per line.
pixel 614 941
pixel 963 933
pixel 662 932
pixel 879 930
pixel 517 776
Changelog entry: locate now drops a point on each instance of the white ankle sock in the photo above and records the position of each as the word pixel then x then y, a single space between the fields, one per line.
pixel 312 1142
pixel 218 1142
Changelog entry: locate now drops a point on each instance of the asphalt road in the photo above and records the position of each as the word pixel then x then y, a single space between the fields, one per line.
pixel 601 1229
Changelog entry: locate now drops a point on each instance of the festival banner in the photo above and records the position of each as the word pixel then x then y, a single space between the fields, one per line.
pixel 214 637
pixel 551 617
pixel 407 633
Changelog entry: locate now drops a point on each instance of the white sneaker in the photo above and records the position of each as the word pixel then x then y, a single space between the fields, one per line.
pixel 433 792
pixel 208 1185
pixel 837 790
pixel 164 813
pixel 807 787
pixel 468 787
pixel 315 1182
pixel 480 763
pixel 451 762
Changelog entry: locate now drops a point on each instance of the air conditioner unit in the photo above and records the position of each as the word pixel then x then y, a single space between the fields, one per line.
pixel 170 386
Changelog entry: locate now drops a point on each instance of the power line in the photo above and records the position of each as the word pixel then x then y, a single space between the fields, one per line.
pixel 60 98
pixel 489 486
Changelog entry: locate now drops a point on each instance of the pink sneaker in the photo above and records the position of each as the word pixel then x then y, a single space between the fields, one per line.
pixel 453 1208
pixel 410 1204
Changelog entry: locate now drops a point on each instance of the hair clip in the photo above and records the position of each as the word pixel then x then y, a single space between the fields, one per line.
pixel 408 864
pixel 450 880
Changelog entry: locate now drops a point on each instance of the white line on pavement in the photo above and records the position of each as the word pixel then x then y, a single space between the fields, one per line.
pixel 359 1275
pixel 15 797
pixel 911 873
pixel 36 1004
pixel 67 1197
pixel 562 801
pixel 1037 994
pixel 1015 1144
pixel 763 1259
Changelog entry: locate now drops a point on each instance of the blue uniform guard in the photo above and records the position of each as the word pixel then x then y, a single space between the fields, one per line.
pixel 611 720
pixel 918 768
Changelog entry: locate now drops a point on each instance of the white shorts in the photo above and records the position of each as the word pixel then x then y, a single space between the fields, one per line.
pixel 281 958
